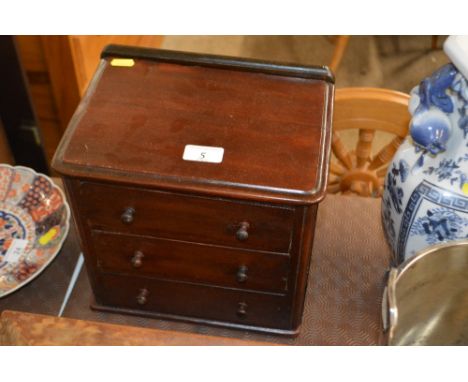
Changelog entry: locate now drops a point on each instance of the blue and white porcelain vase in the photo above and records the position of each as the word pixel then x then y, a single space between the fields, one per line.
pixel 425 199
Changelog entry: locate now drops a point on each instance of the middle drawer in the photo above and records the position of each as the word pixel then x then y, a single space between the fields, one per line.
pixel 191 262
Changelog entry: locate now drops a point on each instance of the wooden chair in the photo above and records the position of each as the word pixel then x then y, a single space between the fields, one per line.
pixel 341 43
pixel 368 110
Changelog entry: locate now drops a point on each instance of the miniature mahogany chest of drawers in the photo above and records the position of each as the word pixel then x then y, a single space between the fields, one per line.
pixel 194 182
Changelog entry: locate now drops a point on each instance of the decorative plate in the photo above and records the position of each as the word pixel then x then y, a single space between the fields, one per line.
pixel 34 222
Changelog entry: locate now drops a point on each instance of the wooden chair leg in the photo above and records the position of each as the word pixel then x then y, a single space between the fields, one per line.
pixel 340 47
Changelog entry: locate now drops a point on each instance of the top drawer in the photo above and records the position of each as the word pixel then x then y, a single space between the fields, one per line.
pixel 185 217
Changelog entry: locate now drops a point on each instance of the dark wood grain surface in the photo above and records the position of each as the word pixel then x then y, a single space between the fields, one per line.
pixel 194 303
pixel 187 221
pixel 125 174
pixel 191 262
pixel 275 129
pixel 185 217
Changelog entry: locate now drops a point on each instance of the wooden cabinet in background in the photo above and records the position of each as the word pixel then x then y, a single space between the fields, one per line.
pixel 5 153
pixel 58 69
pixel 20 138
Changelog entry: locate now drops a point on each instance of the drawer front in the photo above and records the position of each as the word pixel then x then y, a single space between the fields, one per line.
pixel 204 264
pixel 185 217
pixel 191 300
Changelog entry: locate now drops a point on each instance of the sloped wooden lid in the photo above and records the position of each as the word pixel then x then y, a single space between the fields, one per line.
pixel 272 120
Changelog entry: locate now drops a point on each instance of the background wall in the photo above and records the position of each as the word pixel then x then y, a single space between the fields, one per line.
pixel 395 62
pixel 58 68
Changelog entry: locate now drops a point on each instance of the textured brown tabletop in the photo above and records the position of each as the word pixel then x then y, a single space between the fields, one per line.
pixel 349 261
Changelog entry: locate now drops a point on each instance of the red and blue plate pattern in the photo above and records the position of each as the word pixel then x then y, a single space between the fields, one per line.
pixel 34 222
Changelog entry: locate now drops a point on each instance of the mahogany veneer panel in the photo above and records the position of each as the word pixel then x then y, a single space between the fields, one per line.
pixel 225 243
pixel 176 260
pixel 193 218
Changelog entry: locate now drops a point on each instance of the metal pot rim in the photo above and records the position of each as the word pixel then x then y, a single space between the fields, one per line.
pixel 403 267
pixel 389 302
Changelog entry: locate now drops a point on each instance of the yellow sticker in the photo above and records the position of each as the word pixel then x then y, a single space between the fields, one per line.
pixel 126 62
pixel 465 188
pixel 44 239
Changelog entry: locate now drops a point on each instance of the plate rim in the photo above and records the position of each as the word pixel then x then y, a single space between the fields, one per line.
pixel 62 241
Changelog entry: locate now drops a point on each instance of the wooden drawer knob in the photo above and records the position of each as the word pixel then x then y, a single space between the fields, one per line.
pixel 128 215
pixel 241 275
pixel 142 297
pixel 242 233
pixel 137 259
pixel 242 309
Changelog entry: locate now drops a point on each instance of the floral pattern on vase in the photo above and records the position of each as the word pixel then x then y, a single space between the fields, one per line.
pixel 439 224
pixel 425 200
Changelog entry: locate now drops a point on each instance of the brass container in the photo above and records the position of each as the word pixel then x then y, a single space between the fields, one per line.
pixel 426 298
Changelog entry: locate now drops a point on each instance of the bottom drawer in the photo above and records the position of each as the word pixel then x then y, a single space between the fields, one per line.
pixel 193 301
